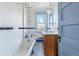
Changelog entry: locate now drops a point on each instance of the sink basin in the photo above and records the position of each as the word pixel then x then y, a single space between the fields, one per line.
pixel 50 33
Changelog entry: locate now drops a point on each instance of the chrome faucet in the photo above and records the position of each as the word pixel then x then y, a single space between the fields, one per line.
pixel 28 35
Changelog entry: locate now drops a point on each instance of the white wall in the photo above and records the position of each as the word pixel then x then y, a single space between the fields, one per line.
pixel 31 19
pixel 55 14
pixel 10 15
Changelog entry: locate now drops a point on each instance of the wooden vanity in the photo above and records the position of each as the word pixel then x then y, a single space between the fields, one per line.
pixel 50 44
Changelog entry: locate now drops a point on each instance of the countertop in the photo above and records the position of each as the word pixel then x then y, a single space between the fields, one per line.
pixel 50 33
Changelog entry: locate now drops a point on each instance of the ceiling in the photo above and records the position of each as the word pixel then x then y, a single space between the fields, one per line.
pixel 39 5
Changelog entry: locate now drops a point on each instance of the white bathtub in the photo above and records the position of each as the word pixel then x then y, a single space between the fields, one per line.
pixel 12 44
pixel 25 48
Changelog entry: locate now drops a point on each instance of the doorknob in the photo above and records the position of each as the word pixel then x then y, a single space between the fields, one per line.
pixel 59 37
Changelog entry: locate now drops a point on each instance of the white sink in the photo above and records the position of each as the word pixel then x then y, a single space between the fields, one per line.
pixel 50 33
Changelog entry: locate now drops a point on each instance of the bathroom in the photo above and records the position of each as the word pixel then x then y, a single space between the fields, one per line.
pixel 39 28
pixel 23 26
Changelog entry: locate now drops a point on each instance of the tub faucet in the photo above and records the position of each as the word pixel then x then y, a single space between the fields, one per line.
pixel 28 35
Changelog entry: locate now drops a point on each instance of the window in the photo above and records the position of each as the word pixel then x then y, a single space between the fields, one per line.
pixel 41 21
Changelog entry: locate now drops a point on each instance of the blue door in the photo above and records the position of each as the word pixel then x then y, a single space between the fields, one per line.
pixel 69 28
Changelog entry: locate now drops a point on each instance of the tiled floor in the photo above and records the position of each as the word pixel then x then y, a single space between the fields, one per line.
pixel 38 49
